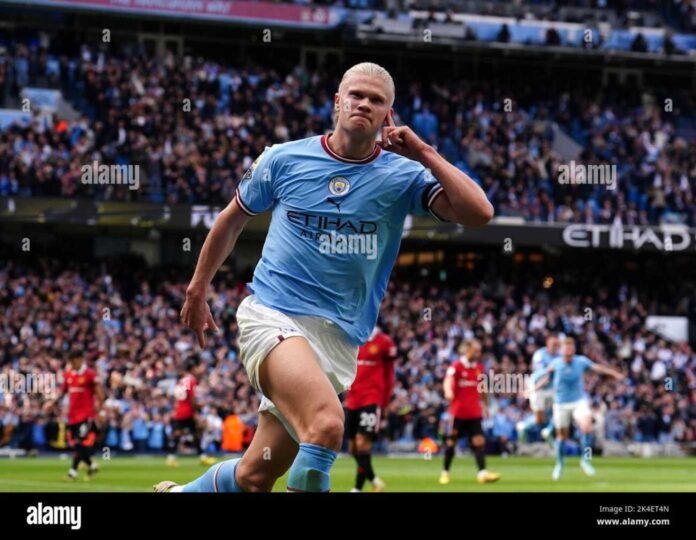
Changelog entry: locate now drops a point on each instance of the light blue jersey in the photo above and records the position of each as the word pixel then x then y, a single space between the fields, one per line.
pixel 335 230
pixel 538 374
pixel 568 378
pixel 541 360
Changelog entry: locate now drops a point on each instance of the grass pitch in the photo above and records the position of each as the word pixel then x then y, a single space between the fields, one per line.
pixel 401 474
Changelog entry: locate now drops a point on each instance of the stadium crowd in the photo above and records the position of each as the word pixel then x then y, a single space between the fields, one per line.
pixel 125 317
pixel 194 126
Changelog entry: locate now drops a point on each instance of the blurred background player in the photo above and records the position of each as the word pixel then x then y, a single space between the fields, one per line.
pixel 369 393
pixel 465 411
pixel 571 401
pixel 541 400
pixel 184 420
pixel 80 383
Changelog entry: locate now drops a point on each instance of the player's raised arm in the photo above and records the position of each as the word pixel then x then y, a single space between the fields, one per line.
pixel 217 246
pixel 463 200
pixel 605 370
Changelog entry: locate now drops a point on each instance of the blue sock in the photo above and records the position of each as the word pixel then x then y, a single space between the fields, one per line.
pixel 310 470
pixel 586 442
pixel 559 451
pixel 218 479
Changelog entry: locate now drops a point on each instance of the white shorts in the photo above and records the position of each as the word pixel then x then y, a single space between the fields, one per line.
pixel 541 400
pixel 575 410
pixel 262 328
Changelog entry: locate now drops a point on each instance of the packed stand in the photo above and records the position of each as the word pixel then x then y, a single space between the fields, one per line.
pixel 127 323
pixel 136 111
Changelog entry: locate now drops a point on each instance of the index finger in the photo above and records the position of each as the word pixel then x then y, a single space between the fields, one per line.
pixel 390 119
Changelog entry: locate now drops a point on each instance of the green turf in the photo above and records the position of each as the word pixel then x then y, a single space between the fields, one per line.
pixel 400 474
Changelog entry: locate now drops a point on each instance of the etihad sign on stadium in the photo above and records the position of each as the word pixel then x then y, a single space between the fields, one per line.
pixel 665 238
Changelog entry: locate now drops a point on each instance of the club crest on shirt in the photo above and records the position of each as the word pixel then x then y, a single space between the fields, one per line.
pixel 339 186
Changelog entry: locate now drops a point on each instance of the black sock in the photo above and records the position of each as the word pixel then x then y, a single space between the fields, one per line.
pixel 449 456
pixel 86 455
pixel 360 475
pixel 365 461
pixel 480 455
pixel 197 443
pixel 76 459
pixel 173 444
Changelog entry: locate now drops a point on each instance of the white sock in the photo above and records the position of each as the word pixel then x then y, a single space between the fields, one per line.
pixel 176 489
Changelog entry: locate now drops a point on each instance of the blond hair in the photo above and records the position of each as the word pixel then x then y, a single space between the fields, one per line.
pixel 372 70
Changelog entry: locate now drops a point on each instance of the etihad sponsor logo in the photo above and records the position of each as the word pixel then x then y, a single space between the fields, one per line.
pixel 625 237
pixel 329 223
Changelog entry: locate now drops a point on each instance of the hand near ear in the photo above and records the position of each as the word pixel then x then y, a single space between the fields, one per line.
pixel 401 140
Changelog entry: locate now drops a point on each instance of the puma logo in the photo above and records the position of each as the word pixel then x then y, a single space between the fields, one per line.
pixel 335 202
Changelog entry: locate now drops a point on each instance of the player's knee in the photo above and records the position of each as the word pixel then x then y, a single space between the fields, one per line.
pixel 258 484
pixel 363 444
pixel 478 440
pixel 325 429
pixel 254 479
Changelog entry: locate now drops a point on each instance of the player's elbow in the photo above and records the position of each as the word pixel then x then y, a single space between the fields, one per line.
pixel 481 215
pixel 488 212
